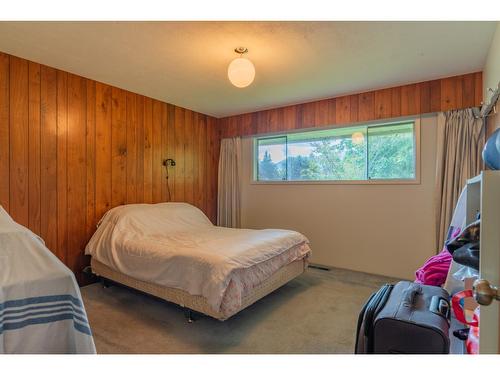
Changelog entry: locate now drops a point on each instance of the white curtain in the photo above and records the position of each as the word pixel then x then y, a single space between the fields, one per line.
pixel 228 199
pixel 460 140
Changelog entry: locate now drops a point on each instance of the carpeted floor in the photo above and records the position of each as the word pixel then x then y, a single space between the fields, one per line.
pixel 315 313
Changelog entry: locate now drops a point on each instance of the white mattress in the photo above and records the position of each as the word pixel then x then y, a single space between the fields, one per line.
pixel 175 245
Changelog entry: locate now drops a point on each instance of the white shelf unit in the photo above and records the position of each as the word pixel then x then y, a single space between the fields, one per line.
pixel 483 196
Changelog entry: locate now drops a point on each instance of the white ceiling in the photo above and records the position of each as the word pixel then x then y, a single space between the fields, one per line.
pixel 185 63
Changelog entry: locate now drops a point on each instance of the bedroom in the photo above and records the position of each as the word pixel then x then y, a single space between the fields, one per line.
pixel 232 187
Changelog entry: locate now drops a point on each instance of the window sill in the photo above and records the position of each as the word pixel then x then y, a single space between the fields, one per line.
pixel 346 182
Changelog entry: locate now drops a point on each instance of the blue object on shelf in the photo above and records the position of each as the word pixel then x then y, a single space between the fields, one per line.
pixel 491 151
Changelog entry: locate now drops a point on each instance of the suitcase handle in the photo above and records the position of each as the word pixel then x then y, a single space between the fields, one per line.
pixel 410 294
pixel 440 306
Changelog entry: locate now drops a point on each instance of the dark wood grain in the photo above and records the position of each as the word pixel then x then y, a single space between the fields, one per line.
pixel 48 158
pixel 131 175
pixel 178 171
pixel 76 172
pixel 72 148
pixel 4 131
pixel 34 155
pixel 19 142
pixel 91 221
pixel 62 165
pixel 407 100
pixel 103 150
pixel 118 147
pixel 383 103
pixel 148 150
pixel 156 154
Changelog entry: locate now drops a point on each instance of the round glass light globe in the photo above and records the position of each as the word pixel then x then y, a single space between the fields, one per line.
pixel 241 72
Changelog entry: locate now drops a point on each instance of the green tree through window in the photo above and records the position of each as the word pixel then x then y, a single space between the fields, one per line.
pixel 350 153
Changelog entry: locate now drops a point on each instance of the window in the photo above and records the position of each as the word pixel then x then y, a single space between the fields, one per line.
pixel 357 153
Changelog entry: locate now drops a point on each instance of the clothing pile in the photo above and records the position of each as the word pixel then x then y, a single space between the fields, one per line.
pixel 435 269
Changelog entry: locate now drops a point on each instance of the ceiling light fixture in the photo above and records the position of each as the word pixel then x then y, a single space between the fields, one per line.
pixel 241 71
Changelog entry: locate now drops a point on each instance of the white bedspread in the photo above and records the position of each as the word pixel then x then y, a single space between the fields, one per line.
pixel 175 245
pixel 41 310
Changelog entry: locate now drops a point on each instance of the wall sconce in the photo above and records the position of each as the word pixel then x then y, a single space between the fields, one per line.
pixel 169 163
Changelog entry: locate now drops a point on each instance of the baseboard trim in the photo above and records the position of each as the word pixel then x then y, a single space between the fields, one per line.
pixel 319 267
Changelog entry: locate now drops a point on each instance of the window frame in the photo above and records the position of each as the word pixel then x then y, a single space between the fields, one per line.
pixel 410 181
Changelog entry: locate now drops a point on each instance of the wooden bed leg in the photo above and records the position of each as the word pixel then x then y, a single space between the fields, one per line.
pixel 188 313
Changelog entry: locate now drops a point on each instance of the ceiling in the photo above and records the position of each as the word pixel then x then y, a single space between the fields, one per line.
pixel 185 63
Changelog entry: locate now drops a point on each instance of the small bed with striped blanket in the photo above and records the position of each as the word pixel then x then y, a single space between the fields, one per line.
pixel 41 310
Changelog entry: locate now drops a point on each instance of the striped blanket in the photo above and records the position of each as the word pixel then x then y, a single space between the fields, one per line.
pixel 41 309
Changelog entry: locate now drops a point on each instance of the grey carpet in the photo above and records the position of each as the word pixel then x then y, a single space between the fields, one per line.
pixel 315 313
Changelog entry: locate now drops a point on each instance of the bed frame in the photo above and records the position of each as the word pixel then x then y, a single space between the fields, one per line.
pixel 199 303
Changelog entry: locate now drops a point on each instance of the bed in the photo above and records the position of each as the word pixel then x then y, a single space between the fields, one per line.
pixel 41 310
pixel 174 252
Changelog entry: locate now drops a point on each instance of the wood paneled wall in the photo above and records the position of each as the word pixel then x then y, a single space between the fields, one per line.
pixel 72 148
pixel 425 97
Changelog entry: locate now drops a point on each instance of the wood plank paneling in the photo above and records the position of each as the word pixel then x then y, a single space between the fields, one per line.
pixel 77 171
pixel 396 102
pixel 468 85
pixel 308 115
pixel 408 100
pixel 72 148
pixel 201 152
pixel 19 143
pixel 131 185
pixel 343 110
pixel 4 131
pixel 148 150
pixel 354 106
pixel 171 151
pixel 62 165
pixel 139 113
pixel 435 96
pixel 91 221
pixel 449 93
pixel 34 147
pixel 478 88
pixel 102 149
pixel 178 184
pixel 164 151
pixel 425 97
pixel 118 147
pixel 290 117
pixel 299 115
pixel 194 146
pixel 247 125
pixel 366 106
pixel 383 104
pixel 156 152
pixel 274 125
pixel 212 160
pixel 48 158
pixel 459 94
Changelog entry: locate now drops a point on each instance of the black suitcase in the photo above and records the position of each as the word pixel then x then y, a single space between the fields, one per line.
pixel 406 318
